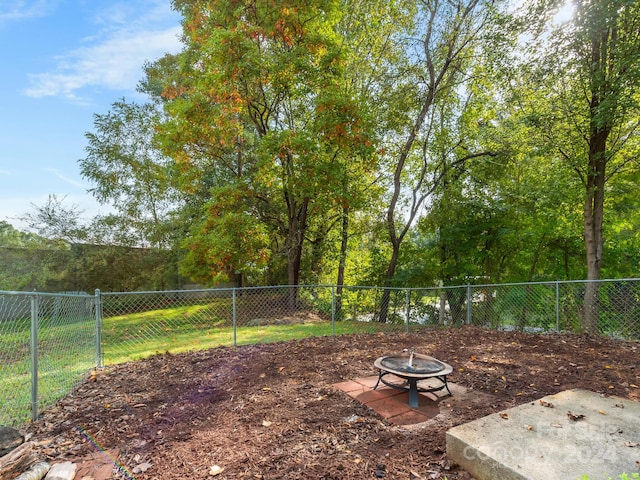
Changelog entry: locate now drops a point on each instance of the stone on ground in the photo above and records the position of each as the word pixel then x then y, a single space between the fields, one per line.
pixel 62 471
pixel 10 438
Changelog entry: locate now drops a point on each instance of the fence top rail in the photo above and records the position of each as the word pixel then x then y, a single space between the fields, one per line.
pixel 353 287
pixel 222 289
pixel 46 294
pixel 552 282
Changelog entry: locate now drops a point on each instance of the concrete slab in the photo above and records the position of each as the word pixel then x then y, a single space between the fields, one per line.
pixel 559 437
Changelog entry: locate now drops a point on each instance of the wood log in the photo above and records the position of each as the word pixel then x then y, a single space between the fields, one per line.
pixel 37 472
pixel 17 461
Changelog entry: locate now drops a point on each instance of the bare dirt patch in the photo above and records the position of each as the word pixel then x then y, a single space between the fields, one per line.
pixel 270 411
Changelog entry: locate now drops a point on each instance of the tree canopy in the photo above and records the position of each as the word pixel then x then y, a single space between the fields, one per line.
pixel 397 142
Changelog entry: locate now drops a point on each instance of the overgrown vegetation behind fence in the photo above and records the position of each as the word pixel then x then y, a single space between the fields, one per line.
pixel 48 342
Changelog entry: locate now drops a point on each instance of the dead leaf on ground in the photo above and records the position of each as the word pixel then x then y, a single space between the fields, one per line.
pixel 574 416
pixel 143 467
pixel 544 403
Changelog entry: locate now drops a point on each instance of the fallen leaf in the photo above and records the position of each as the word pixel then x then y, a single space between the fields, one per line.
pixel 143 467
pixel 544 403
pixel 574 416
pixel 505 416
pixel 602 412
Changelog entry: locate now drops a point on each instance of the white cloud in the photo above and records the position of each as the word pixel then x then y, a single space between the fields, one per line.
pixel 114 59
pixel 65 179
pixel 18 10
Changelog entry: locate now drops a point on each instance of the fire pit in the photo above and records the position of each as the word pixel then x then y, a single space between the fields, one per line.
pixel 411 368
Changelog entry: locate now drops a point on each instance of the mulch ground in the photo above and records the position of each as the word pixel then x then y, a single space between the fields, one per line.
pixel 271 411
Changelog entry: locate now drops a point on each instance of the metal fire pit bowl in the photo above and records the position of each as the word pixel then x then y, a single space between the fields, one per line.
pixel 412 367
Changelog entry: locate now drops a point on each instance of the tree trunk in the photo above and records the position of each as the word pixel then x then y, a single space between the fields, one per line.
pixel 294 241
pixel 386 293
pixel 593 220
pixel 343 258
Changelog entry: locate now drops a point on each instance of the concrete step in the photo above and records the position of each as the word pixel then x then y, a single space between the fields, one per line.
pixel 560 437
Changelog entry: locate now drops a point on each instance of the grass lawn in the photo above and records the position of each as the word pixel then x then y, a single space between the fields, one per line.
pixel 67 351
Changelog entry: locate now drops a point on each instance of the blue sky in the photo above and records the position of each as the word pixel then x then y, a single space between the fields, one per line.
pixel 64 61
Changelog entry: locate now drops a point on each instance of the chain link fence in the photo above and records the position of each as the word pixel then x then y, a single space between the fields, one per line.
pixel 48 342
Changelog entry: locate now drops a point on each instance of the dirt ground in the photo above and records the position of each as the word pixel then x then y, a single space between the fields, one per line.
pixel 271 412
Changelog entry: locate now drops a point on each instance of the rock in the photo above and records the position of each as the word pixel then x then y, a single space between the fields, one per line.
pixel 62 471
pixel 10 438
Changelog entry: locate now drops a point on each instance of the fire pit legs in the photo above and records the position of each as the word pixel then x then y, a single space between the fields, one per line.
pixel 413 393
pixel 412 369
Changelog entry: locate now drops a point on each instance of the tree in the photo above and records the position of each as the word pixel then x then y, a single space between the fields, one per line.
pixel 436 73
pixel 130 173
pixel 260 108
pixel 589 72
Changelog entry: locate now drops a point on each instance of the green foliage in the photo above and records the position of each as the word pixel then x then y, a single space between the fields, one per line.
pixel 370 142
pixel 260 106
pixel 622 476
pixel 227 242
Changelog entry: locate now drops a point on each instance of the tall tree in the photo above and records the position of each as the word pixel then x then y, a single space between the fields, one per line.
pixel 444 39
pixel 129 172
pixel 589 71
pixel 261 107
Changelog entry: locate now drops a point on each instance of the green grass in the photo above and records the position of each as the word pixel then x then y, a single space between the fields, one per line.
pixel 196 327
pixel 622 476
pixel 68 350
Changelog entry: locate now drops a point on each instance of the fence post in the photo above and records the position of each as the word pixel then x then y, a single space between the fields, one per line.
pixel 407 299
pixel 557 306
pixel 235 329
pixel 98 307
pixel 333 310
pixel 468 304
pixel 34 357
